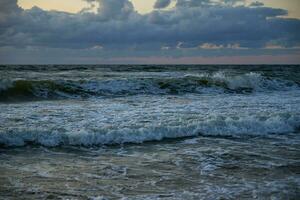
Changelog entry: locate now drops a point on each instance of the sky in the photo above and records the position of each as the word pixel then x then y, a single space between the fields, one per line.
pixel 149 32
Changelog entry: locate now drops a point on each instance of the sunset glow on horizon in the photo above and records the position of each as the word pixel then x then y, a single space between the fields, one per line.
pixel 74 6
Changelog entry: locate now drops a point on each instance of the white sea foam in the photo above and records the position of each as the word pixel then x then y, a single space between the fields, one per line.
pixel 218 82
pixel 146 107
pixel 5 84
pixel 191 83
pixel 218 126
pixel 251 80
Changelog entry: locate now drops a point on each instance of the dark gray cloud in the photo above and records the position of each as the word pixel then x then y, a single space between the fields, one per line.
pixel 233 2
pixel 162 4
pixel 192 3
pixel 8 10
pixel 114 9
pixel 7 6
pixel 193 25
pixel 201 3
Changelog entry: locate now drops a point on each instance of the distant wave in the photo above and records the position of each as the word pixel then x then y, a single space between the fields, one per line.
pixel 18 90
pixel 218 126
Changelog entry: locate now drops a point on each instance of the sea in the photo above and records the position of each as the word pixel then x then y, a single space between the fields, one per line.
pixel 168 132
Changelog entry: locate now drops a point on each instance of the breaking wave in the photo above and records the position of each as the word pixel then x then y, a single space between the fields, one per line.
pixel 218 126
pixel 220 82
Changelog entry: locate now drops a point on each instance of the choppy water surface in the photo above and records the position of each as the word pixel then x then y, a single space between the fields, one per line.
pixel 150 132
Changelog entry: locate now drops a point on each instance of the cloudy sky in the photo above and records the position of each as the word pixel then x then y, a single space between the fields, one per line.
pixel 149 31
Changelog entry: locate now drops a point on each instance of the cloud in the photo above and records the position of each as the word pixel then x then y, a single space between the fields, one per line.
pixel 8 6
pixel 115 9
pixel 162 4
pixel 192 3
pixel 210 46
pixel 8 10
pixel 233 2
pixel 118 30
pixel 202 3
pixel 256 4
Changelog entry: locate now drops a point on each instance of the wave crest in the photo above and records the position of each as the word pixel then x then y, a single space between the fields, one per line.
pixel 217 82
pixel 219 126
